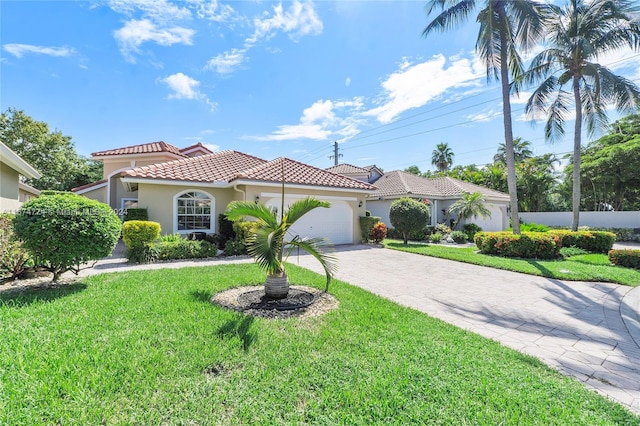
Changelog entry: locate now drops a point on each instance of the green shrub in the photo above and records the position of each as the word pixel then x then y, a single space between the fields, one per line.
pixel 140 233
pixel 185 249
pixel 567 252
pixel 436 237
pixel 378 232
pixel 135 214
pixel 138 236
pixel 529 245
pixel 366 225
pixel 63 230
pixel 408 216
pixel 170 238
pixel 459 237
pixel 14 258
pixel 627 258
pixel 622 234
pixel 533 227
pixel 243 229
pixel 235 248
pixel 471 229
pixel 592 241
pixel 442 229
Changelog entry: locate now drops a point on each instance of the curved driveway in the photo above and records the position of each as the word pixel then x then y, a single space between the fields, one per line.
pixel 585 330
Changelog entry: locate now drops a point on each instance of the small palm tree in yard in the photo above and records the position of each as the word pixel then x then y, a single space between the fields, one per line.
pixel 470 205
pixel 269 241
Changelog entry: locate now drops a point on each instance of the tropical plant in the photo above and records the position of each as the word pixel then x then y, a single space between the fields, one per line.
pixel 505 27
pixel 408 216
pixel 521 151
pixel 581 33
pixel 470 205
pixel 442 157
pixel 270 245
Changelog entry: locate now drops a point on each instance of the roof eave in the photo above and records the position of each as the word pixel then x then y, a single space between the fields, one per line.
pixel 14 161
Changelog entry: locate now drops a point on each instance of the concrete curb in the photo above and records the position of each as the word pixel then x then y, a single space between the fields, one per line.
pixel 630 312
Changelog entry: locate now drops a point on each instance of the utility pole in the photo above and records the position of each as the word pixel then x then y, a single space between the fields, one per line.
pixel 336 154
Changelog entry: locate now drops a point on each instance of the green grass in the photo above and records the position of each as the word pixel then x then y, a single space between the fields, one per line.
pixel 146 347
pixel 585 267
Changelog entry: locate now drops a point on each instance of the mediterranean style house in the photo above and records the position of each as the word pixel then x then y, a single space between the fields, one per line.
pixel 14 192
pixel 186 190
pixel 439 193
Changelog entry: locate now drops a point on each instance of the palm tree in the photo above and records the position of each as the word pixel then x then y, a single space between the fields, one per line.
pixel 521 151
pixel 470 205
pixel 581 33
pixel 267 243
pixel 505 26
pixel 442 157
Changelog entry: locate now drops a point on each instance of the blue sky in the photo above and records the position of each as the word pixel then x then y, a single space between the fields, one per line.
pixel 269 79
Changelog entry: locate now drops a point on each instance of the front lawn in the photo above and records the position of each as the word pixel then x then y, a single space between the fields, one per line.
pixel 586 267
pixel 147 347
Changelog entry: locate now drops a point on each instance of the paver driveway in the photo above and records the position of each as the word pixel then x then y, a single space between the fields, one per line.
pixel 576 327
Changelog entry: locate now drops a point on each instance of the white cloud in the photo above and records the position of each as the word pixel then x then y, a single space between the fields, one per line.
pixel 227 62
pixel 299 20
pixel 212 147
pixel 19 50
pixel 484 116
pixel 185 87
pixel 347 82
pixel 212 10
pixel 136 32
pixel 414 85
pixel 159 11
pixel 320 121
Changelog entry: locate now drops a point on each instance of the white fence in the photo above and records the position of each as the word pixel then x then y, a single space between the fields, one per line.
pixel 592 219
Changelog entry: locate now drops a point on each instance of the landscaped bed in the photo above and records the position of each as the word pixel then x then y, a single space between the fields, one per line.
pixel 587 267
pixel 148 347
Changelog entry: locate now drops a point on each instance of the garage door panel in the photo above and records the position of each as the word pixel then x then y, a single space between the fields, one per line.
pixel 334 223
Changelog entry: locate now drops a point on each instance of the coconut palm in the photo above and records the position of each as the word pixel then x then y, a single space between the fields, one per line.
pixel 505 27
pixel 470 205
pixel 521 151
pixel 581 33
pixel 442 157
pixel 270 243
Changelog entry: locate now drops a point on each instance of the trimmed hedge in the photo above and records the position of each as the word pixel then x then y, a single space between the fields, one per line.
pixel 185 249
pixel 529 245
pixel 139 233
pixel 627 258
pixel 593 241
pixel 366 225
pixel 135 214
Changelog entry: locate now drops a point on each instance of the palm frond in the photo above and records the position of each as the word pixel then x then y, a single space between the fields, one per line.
pixel 301 207
pixel 322 250
pixel 266 246
pixel 453 13
pixel 237 210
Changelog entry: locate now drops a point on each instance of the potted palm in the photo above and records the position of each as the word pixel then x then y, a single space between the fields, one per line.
pixel 270 246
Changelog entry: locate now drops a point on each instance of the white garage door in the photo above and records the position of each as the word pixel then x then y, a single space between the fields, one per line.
pixel 334 223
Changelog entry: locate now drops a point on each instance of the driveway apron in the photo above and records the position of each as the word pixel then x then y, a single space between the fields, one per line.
pixel 575 327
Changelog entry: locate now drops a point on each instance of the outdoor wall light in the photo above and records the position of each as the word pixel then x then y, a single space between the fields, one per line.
pixel 360 203
pixel 257 199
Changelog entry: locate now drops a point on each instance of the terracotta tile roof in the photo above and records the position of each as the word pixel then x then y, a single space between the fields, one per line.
pixel 347 169
pixel 196 147
pixel 222 166
pixel 400 183
pixel 301 174
pixel 88 185
pixel 145 148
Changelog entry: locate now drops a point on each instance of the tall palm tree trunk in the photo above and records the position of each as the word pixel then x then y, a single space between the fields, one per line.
pixel 577 145
pixel 508 136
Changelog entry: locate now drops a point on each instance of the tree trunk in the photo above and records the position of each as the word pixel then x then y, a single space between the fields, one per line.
pixel 508 134
pixel 277 286
pixel 577 137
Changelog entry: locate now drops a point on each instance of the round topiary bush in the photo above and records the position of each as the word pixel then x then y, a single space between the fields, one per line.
pixel 408 215
pixel 63 230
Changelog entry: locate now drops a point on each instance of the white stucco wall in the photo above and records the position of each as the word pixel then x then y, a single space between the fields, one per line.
pixel 593 219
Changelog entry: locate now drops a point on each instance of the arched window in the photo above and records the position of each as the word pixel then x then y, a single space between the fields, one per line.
pixel 193 212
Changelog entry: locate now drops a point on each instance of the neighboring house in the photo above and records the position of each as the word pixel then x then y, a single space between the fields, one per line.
pixel 441 193
pixel 186 190
pixel 367 174
pixel 13 192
